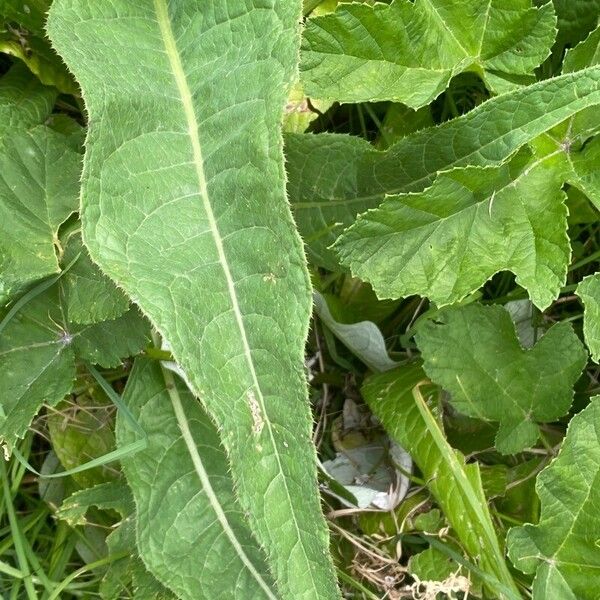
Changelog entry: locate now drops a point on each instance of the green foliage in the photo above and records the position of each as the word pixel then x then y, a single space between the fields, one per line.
pixel 165 166
pixel 589 292
pixel 455 485
pixel 325 201
pixel 183 474
pixel 474 354
pixel 408 52
pixel 562 549
pixel 212 219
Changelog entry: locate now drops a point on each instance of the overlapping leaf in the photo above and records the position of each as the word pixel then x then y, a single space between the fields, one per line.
pixel 128 573
pixel 589 292
pixel 408 51
pixel 446 242
pixel 24 101
pixel 562 549
pixel 38 352
pixel 184 207
pixel 334 177
pixel 473 352
pixel 90 296
pixel 402 408
pixel 191 533
pixel 39 187
pixel 22 35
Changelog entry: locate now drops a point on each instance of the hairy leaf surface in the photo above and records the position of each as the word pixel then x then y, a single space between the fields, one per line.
pixel 334 177
pixel 474 353
pixel 90 296
pixel 184 207
pixel 407 52
pixel 191 533
pixel 562 549
pixel 589 292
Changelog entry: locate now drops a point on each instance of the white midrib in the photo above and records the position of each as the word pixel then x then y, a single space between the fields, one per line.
pixel 172 52
pixel 445 26
pixel 188 438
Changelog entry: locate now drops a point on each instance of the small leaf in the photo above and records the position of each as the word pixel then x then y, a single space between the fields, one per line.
pixel 585 54
pixel 363 339
pixel 563 549
pixel 200 545
pixel 90 296
pixel 589 292
pixel 586 175
pixel 80 431
pixel 408 51
pixel 24 101
pixel 113 495
pixel 24 38
pixel 473 352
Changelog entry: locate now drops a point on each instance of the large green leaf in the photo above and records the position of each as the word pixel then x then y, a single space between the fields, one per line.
pixel 38 350
pixel 589 292
pixel 562 549
pixel 399 398
pixel 408 51
pixel 447 241
pixel 474 353
pixel 334 177
pixel 184 207
pixel 191 533
pixel 39 189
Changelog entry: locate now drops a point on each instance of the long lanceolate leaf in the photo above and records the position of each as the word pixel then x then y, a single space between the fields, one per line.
pixel 184 206
pixel 334 177
pixel 200 546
